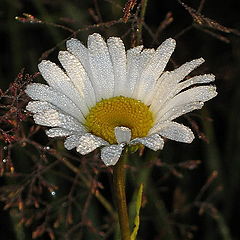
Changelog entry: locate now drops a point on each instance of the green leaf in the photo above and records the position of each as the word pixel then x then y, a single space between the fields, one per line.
pixel 137 218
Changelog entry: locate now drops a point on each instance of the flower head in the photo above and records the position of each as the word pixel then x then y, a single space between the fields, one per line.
pixel 108 97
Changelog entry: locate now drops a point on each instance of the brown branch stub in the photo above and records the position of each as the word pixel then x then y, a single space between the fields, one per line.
pixel 28 18
pixel 127 9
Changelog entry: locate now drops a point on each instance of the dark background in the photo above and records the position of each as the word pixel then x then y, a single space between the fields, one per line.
pixel 179 202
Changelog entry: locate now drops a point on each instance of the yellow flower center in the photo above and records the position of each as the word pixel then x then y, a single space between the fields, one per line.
pixel 119 111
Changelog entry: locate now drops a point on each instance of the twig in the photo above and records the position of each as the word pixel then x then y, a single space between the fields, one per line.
pixel 141 20
pixel 98 25
pixel 76 170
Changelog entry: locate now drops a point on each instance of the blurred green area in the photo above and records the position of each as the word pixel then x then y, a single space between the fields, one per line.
pixel 181 200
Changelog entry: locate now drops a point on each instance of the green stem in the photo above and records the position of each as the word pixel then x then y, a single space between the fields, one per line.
pixel 119 190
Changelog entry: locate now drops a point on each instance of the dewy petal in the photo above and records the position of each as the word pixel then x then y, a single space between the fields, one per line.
pixel 49 118
pixel 42 109
pixel 75 47
pixel 101 66
pixel 144 59
pixel 111 154
pixel 72 141
pixel 88 142
pixel 59 81
pixel 169 81
pixel 42 92
pixel 58 132
pixel 122 134
pixel 54 118
pixel 206 78
pixel 118 57
pixel 79 77
pixel 152 96
pixel 174 131
pixel 177 111
pixel 195 94
pixel 133 71
pixel 155 67
pixel 153 141
pixel 39 106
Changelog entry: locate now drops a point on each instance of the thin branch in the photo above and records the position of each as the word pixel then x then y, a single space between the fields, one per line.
pixel 141 20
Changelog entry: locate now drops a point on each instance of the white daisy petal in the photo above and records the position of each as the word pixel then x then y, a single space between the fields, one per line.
pixel 180 73
pixel 160 58
pixel 53 118
pixel 79 77
pixel 58 132
pixel 48 115
pixel 101 66
pixel 144 59
pixel 59 81
pixel 153 141
pixel 122 134
pixel 153 97
pixel 48 118
pixel 75 47
pixel 72 141
pixel 88 143
pixel 177 111
pixel 39 106
pixel 43 92
pixel 174 131
pixel 155 67
pixel 206 78
pixel 118 57
pixel 169 81
pixel 133 72
pixel 196 94
pixel 45 108
pixel 111 154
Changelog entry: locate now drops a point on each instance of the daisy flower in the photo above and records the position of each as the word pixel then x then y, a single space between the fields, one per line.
pixel 105 96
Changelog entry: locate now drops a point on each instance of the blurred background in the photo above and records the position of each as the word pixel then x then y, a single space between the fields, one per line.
pixel 190 191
